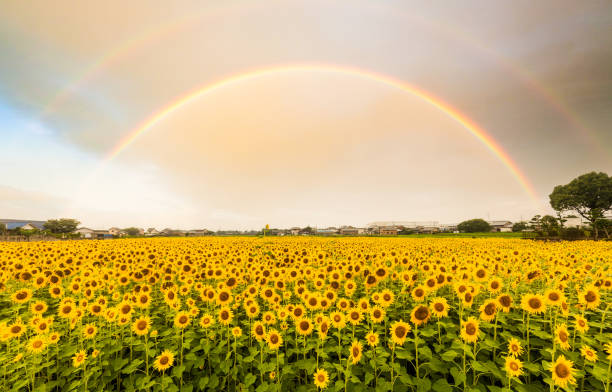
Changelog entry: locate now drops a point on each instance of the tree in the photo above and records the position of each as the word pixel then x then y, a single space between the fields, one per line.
pixel 549 225
pixel 519 226
pixel 2 228
pixel 474 226
pixel 590 195
pixel 61 226
pixel 132 231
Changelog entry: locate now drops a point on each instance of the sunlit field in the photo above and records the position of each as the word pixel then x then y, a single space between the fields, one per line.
pixel 305 313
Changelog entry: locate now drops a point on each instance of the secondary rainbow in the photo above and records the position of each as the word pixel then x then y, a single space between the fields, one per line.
pixel 444 107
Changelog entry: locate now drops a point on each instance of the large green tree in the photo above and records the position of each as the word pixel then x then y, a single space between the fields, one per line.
pixel 2 228
pixel 474 226
pixel 61 226
pixel 590 195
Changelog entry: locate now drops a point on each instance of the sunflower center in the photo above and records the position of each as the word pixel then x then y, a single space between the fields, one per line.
pixel 505 300
pixel 563 336
pixel 590 296
pixel 421 313
pixel 562 370
pixel 274 339
pixel 37 344
pixel 470 329
pixel 142 325
pixel 355 352
pixel 535 303
pixel 400 331
pixel 164 360
pixel 490 309
pixel 304 325
pixel 438 307
pixel 553 296
pixel 419 292
pixel 481 273
pixel 183 319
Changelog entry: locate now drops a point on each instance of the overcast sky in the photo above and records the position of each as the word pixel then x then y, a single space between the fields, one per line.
pixel 298 148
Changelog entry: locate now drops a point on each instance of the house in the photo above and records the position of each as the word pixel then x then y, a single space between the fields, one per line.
pixel 85 232
pixel 350 230
pixel 327 231
pixel 151 231
pixel 14 224
pixel 294 230
pixel 117 232
pixel 428 229
pixel 102 234
pixel 500 226
pixel 388 230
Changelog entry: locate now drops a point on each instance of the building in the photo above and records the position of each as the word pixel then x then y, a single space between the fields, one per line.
pixel 14 224
pixel 294 230
pixel 327 231
pixel 151 231
pixel 350 230
pixel 388 230
pixel 85 232
pixel 428 229
pixel 101 235
pixel 500 226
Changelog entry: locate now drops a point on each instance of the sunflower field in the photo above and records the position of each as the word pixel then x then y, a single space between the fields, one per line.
pixel 306 314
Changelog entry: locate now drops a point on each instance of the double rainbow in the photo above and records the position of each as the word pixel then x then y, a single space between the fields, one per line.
pixel 444 107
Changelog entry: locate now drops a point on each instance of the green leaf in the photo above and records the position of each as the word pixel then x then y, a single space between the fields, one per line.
pixel 202 382
pixel 249 379
pixel 458 376
pixel 448 356
pixel 441 385
pixel 424 385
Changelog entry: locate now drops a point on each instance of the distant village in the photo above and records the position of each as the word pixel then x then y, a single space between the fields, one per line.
pixel 382 228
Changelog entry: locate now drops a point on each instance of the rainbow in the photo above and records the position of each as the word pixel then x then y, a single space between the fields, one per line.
pixel 149 36
pixel 444 107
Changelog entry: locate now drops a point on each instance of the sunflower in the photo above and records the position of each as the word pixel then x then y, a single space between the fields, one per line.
pixel 90 331
pixel 488 310
pixel 356 351
pixel 78 358
pixel 581 324
pixel 338 320
pixel 206 320
pixel 386 298
pixel 513 367
pixel 514 348
pixel 164 361
pixel 377 314
pixel 252 310
pixel 562 337
pixel 321 378
pixel 258 331
pixel 533 303
pixel 37 344
pixel 470 330
pixel 323 328
pixel 588 353
pixel 225 316
pixel 54 337
pixel 590 297
pixel 304 326
pixel 38 307
pixel 21 296
pixel 141 325
pixel 505 302
pixel 439 307
pixel 355 316
pixel 495 285
pixel 554 297
pixel 399 330
pixel 274 339
pixel 236 332
pixel 418 293
pixel 182 320
pixel 563 372
pixel 420 315
pixel 372 339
